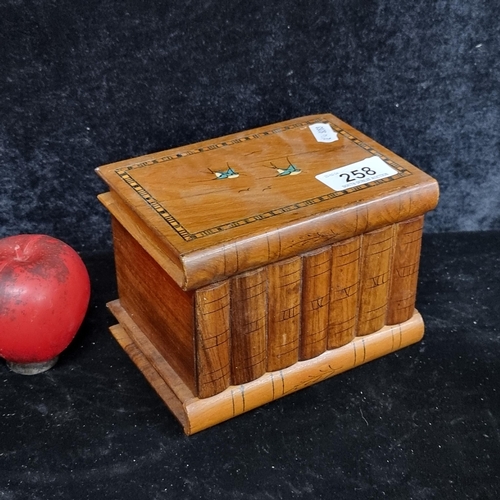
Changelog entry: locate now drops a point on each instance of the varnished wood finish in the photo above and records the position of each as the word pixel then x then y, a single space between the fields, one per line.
pixel 405 270
pixel 248 326
pixel 242 277
pixel 157 304
pixel 344 294
pixel 213 339
pixel 211 228
pixel 316 284
pixel 374 279
pixel 197 414
pixel 284 310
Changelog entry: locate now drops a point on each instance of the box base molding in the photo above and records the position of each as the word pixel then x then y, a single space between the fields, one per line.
pixel 197 414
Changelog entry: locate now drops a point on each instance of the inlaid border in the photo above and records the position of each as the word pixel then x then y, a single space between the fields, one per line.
pixel 125 174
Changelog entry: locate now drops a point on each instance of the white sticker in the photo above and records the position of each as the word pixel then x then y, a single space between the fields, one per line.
pixel 323 132
pixel 355 174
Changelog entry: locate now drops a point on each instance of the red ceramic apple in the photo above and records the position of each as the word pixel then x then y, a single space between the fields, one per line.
pixel 44 295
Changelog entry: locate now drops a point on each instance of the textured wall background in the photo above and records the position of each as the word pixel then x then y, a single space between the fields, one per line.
pixel 88 83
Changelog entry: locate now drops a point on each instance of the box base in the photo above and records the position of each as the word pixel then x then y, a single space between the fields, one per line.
pixel 197 414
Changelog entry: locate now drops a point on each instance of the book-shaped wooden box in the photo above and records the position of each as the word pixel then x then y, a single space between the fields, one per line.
pixel 257 264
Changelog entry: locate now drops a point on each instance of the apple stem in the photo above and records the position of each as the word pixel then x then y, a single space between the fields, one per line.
pixel 19 254
pixel 23 254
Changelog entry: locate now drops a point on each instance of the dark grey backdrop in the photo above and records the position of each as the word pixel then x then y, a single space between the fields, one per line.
pixel 88 83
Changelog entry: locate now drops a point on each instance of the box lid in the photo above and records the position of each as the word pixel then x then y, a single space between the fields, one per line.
pixel 220 207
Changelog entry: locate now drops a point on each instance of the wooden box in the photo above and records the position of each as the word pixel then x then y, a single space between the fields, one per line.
pixel 257 264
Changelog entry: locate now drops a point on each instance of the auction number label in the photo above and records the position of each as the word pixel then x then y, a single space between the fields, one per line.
pixel 356 174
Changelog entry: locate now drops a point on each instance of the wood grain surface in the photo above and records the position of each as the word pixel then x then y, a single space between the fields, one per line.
pixel 210 224
pixel 242 277
pixel 197 414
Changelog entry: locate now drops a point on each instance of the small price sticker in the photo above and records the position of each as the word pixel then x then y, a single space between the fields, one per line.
pixel 355 174
pixel 323 132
